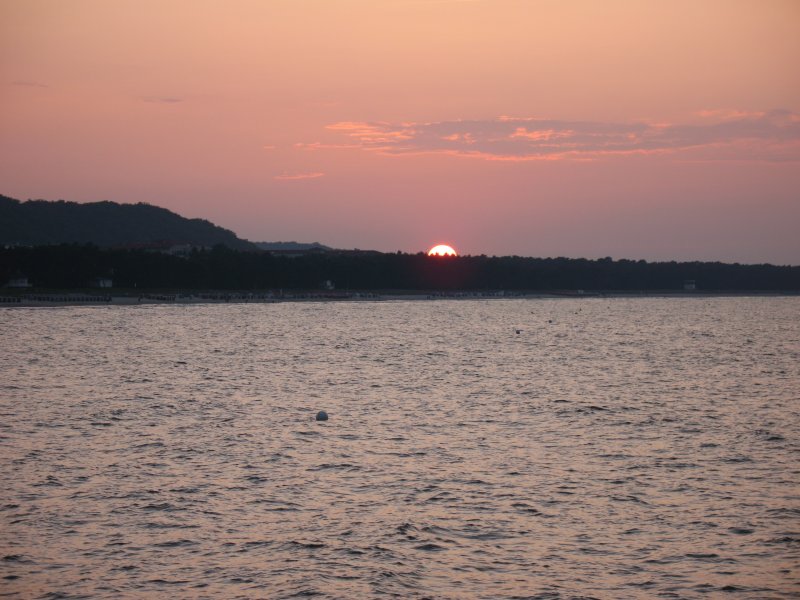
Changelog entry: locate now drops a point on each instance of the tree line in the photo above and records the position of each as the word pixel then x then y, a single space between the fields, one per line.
pixel 76 266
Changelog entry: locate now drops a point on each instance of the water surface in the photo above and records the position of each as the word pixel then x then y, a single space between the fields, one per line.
pixel 613 448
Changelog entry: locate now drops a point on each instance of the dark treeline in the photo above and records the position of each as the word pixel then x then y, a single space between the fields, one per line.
pixel 75 266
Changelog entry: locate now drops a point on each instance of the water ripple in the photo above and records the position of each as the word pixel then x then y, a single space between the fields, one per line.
pixel 614 448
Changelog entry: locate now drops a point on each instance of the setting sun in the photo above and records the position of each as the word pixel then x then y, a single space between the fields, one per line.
pixel 442 250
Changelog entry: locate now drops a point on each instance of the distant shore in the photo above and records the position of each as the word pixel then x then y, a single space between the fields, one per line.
pixel 49 299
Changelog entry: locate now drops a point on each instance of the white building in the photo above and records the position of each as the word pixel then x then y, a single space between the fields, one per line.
pixel 19 282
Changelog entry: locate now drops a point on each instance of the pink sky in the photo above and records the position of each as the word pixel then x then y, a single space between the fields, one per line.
pixel 631 129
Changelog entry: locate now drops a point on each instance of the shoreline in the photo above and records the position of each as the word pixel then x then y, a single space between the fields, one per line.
pixel 83 299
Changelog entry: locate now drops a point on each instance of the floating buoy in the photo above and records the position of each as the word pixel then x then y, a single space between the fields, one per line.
pixel 322 416
pixel 518 331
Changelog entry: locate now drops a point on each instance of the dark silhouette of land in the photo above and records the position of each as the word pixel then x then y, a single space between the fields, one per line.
pixel 106 224
pixel 67 245
pixel 291 246
pixel 221 268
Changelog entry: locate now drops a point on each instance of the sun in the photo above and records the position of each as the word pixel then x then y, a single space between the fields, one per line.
pixel 442 250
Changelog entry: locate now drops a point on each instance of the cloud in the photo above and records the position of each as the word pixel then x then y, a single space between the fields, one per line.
pixel 298 176
pixel 722 135
pixel 323 146
pixel 443 1
pixel 162 100
pixel 723 114
pixel 33 84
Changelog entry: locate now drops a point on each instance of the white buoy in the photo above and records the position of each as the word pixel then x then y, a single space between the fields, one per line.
pixel 322 416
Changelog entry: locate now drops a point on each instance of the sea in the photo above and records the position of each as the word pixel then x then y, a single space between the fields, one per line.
pixel 532 448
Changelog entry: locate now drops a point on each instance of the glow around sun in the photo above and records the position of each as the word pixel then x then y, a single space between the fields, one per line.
pixel 442 250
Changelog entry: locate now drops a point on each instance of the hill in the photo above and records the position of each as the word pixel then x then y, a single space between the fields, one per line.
pixel 106 224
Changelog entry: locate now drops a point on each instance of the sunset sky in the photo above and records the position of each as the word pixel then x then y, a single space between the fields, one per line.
pixel 625 128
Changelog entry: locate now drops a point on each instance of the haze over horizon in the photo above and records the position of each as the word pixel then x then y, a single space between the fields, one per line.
pixel 659 130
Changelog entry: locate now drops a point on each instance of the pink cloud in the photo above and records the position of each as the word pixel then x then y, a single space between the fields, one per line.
pixel 724 135
pixel 162 100
pixel 298 176
pixel 27 83
pixel 726 114
pixel 375 133
pixel 540 134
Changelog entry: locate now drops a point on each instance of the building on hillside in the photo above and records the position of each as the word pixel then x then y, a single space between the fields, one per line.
pixel 166 247
pixel 18 282
pixel 296 252
pixel 182 250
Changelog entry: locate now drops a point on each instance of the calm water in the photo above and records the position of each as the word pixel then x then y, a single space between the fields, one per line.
pixel 614 448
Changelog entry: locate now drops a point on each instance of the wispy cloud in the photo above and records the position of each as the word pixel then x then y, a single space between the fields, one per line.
pixel 162 99
pixel 773 135
pixel 725 114
pixel 26 83
pixel 443 1
pixel 298 176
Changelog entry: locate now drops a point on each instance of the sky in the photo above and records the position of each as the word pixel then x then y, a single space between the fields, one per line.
pixel 657 130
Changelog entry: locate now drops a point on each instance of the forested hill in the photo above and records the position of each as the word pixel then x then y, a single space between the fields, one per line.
pixel 106 224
